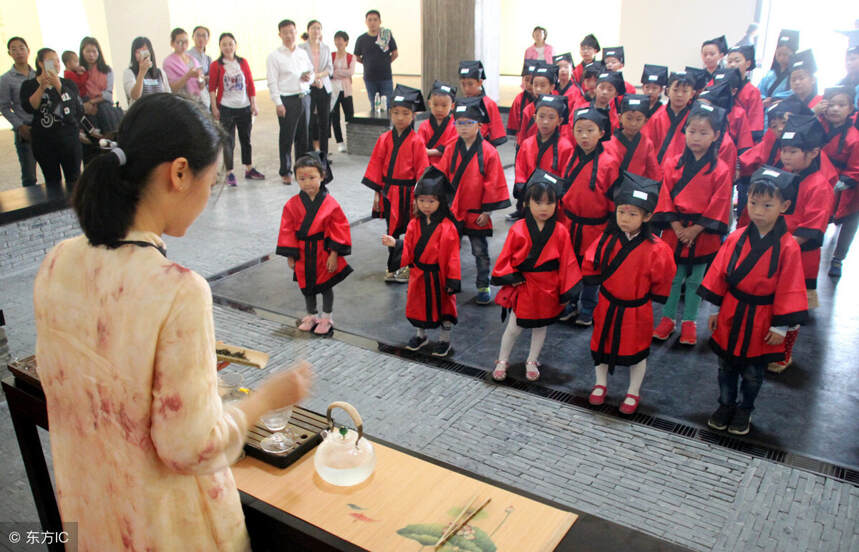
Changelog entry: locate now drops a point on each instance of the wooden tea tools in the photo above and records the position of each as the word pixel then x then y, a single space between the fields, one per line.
pixel 460 521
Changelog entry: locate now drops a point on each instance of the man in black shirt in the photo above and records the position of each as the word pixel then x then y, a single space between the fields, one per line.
pixel 376 49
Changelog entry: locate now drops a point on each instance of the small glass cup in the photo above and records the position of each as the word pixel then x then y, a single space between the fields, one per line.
pixel 229 383
pixel 282 440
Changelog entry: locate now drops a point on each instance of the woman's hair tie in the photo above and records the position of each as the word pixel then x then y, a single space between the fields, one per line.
pixel 114 149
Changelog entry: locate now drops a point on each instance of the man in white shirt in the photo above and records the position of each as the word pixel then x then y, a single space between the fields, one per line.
pixel 289 72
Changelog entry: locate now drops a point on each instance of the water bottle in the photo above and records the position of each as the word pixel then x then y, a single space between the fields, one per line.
pixel 384 103
pixel 377 103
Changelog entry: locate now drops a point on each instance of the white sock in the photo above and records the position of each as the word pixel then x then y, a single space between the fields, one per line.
pixel 602 376
pixel 444 334
pixel 422 333
pixel 636 376
pixel 508 338
pixel 538 337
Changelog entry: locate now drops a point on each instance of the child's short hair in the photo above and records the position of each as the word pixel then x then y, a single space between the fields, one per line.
pixel 67 56
pixel 540 190
pixel 285 23
pixel 848 91
pixel 682 78
pixel 342 34
pixel 306 161
pixel 590 40
pixel 765 188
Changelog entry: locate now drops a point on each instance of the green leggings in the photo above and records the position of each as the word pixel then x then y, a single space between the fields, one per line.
pixel 692 300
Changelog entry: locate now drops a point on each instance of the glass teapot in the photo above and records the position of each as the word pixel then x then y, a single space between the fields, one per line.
pixel 344 458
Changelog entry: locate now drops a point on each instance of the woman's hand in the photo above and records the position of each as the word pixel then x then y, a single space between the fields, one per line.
pixel 194 73
pixel 331 263
pixel 388 241
pixel 145 65
pixel 216 113
pixel 286 388
pixel 254 110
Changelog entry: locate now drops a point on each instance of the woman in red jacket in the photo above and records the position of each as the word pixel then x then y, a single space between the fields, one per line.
pixel 231 87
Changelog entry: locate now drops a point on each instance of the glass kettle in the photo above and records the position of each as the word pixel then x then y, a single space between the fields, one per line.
pixel 344 458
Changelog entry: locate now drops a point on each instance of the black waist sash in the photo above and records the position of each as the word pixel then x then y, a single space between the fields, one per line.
pixel 432 282
pixel 405 187
pixel 614 321
pixel 311 250
pixel 746 307
pixel 577 228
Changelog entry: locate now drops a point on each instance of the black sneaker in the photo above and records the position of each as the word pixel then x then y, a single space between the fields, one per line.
pixel 585 319
pixel 740 422
pixel 835 269
pixel 440 349
pixel 416 343
pixel 721 417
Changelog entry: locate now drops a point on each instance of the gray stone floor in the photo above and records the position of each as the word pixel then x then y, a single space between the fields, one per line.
pixel 701 496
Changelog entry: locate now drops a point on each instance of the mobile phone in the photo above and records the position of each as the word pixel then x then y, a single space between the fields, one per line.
pixel 144 55
pixel 87 126
pixel 51 66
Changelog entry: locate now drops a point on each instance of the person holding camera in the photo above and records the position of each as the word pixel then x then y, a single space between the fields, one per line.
pixel 142 76
pixel 57 110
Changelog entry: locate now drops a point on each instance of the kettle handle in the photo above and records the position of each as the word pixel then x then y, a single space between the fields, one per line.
pixel 356 418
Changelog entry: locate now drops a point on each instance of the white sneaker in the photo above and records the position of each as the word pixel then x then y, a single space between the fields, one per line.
pixel 341 147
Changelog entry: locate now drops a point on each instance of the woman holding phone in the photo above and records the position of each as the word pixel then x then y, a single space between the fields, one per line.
pixel 57 109
pixel 185 74
pixel 143 76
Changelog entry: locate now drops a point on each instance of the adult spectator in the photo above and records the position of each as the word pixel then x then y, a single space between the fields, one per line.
pixel 341 85
pixel 200 35
pixel 376 50
pixel 57 109
pixel 183 71
pixel 11 108
pixel 141 442
pixel 320 88
pixel 98 92
pixel 233 99
pixel 143 77
pixel 288 74
pixel 539 50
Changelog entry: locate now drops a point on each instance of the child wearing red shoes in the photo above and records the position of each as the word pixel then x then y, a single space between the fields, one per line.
pixel 538 272
pixel 314 237
pixel 695 209
pixel 756 280
pixel 801 141
pixel 431 249
pixel 632 268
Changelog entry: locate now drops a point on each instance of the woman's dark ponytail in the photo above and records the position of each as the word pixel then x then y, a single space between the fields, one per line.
pixel 158 128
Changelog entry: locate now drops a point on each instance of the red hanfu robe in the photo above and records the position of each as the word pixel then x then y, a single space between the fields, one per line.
pixel 727 151
pixel 572 92
pixel 809 219
pixel 437 136
pixel 478 178
pixel 395 166
pixel 630 88
pixel 579 72
pixel 738 127
pixel 431 251
pixel 636 156
pixel 630 273
pixel 764 152
pixel 552 156
pixel 665 128
pixel 757 282
pixel 309 232
pixel 585 206
pixel 544 263
pixel 610 112
pixel 693 194
pixel 528 126
pixel 494 129
pixel 842 148
pixel 514 118
pixel 749 97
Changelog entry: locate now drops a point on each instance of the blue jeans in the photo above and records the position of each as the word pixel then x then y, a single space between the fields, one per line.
pixel 384 88
pixel 751 378
pixel 589 296
pixel 26 159
pixel 480 250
